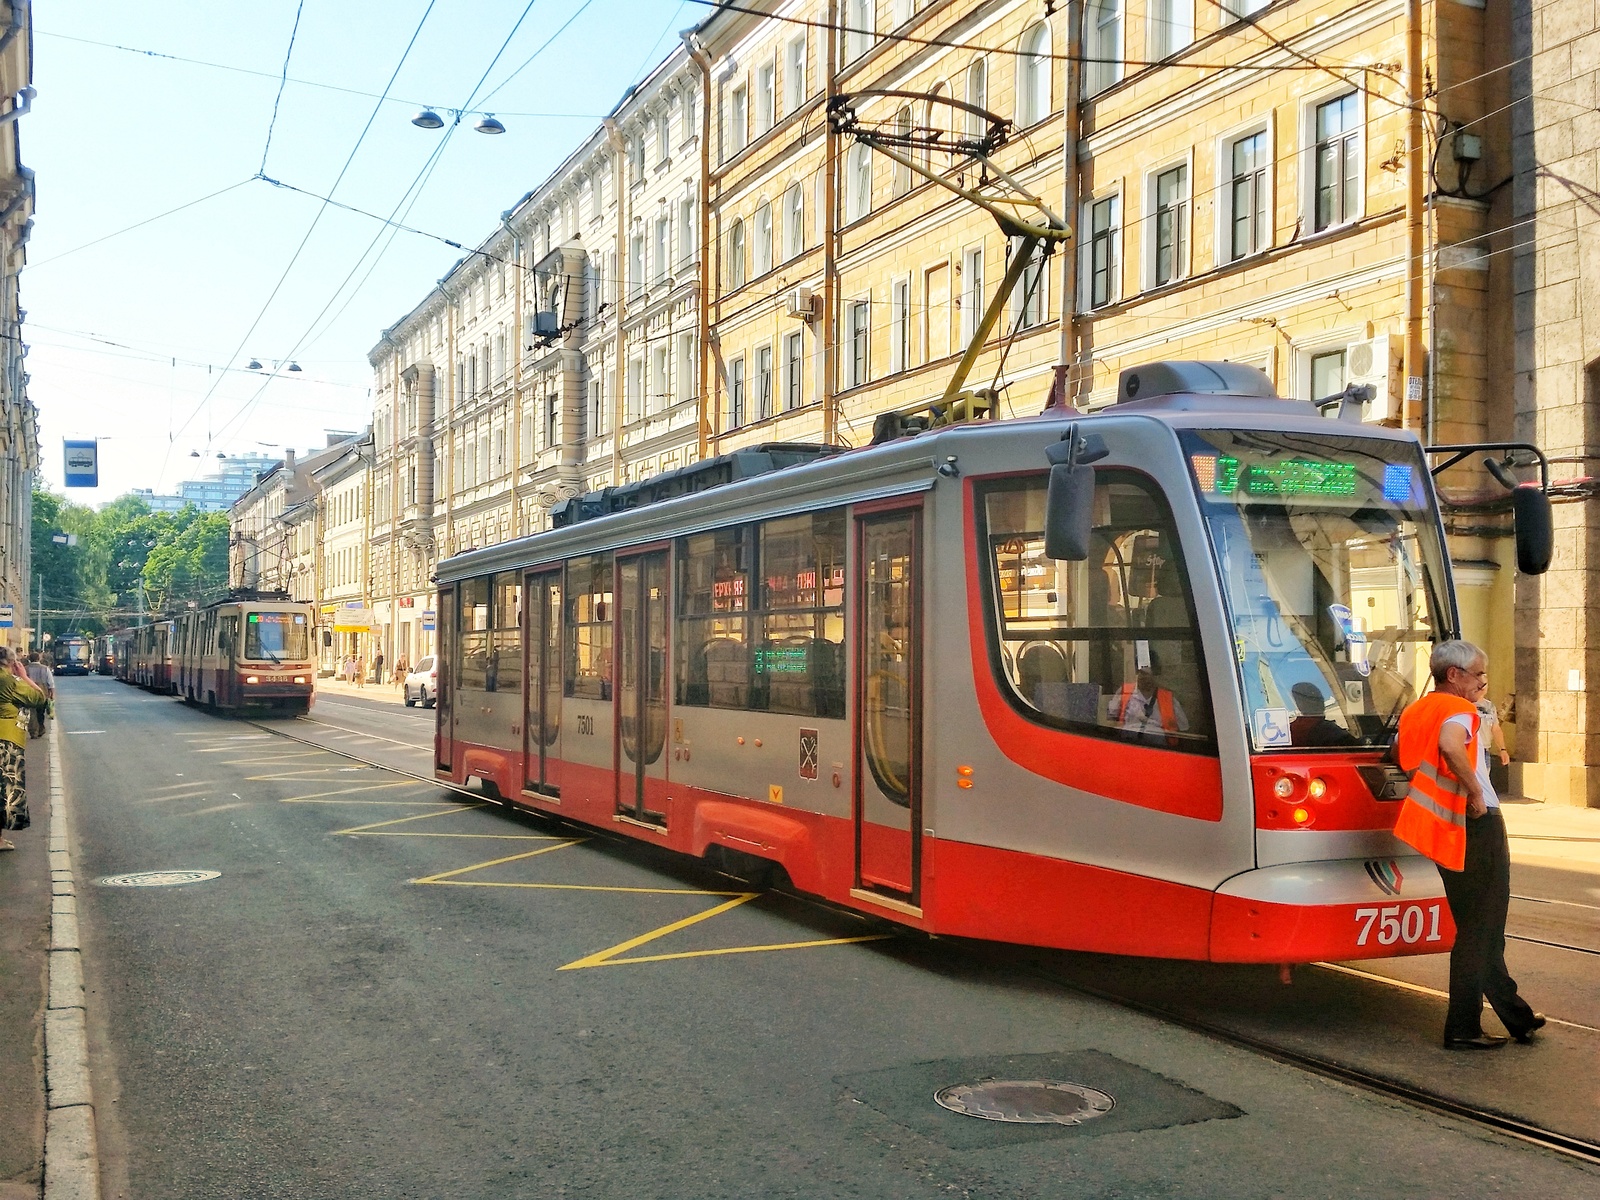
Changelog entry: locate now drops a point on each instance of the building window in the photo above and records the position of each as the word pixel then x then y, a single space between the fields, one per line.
pixel 859 27
pixel 1338 162
pixel 761 249
pixel 1101 266
pixel 663 136
pixel 766 97
pixel 1033 76
pixel 1102 42
pixel 900 325
pixel 552 420
pixel 738 120
pixel 597 407
pixel 736 393
pixel 635 264
pixel 1170 203
pixel 856 329
pixel 686 231
pixel 690 112
pixel 1327 374
pixel 977 96
pixel 858 183
pixel 736 255
pixel 972 300
pixel 1249 158
pixel 794 74
pixel 900 174
pixel 635 394
pixel 1171 26
pixel 1027 298
pixel 794 222
pixel 763 382
pixel 688 376
pixel 663 240
pixel 793 364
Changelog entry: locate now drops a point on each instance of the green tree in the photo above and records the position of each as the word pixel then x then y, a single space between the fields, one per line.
pixel 190 562
pixel 62 586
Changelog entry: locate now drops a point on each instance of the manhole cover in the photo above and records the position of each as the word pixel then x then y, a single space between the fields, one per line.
pixel 1026 1101
pixel 157 878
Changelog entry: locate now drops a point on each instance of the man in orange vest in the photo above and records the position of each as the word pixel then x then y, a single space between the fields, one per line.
pixel 1453 816
pixel 1148 712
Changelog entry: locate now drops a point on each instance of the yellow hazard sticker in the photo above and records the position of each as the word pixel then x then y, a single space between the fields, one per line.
pixel 775 793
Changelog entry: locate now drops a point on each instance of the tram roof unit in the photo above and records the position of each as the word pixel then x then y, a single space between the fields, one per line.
pixel 781 479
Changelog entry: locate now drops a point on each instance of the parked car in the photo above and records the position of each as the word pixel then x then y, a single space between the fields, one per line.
pixel 422 685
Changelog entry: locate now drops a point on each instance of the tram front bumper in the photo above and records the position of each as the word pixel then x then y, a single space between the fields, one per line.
pixel 1338 909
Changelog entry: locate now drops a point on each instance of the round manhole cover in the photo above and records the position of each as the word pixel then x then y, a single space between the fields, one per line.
pixel 1026 1101
pixel 157 878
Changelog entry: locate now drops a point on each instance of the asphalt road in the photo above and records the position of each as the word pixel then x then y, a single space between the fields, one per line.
pixel 388 992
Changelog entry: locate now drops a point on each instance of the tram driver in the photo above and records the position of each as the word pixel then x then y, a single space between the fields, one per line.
pixel 1147 712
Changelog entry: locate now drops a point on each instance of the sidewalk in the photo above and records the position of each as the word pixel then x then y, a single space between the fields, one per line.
pixel 1553 834
pixel 387 692
pixel 25 897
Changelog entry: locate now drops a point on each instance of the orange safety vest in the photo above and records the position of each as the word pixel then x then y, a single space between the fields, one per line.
pixel 1433 817
pixel 1164 704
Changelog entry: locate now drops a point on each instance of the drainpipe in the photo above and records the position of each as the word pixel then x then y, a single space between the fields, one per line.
pixel 697 51
pixel 20 11
pixel 828 352
pixel 450 429
pixel 21 105
pixel 1061 390
pixel 1415 215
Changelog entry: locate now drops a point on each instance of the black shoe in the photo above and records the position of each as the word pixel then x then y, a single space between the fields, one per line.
pixel 1534 1026
pixel 1483 1041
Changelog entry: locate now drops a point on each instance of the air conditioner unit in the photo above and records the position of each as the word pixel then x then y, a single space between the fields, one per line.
pixel 801 302
pixel 1375 363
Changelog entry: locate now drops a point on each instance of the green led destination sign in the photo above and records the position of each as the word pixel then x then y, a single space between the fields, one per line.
pixel 1222 474
pixel 781 660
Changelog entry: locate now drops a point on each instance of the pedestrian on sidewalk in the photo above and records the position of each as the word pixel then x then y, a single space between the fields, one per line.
pixel 361 672
pixel 377 668
pixel 40 675
pixel 15 695
pixel 400 671
pixel 1453 816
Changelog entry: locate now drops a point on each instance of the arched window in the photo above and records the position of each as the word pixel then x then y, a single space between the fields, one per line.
pixel 902 174
pixel 977 95
pixel 761 247
pixel 1102 42
pixel 858 183
pixel 935 117
pixel 794 222
pixel 1033 76
pixel 736 255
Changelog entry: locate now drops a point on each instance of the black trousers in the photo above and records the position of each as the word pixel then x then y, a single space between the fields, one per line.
pixel 1480 897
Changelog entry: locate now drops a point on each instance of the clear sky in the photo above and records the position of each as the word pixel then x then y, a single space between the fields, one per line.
pixel 142 339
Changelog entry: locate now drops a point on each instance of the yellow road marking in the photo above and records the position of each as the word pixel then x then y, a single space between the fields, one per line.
pixel 617 962
pixel 216 808
pixel 387 803
pixel 576 887
pixel 605 956
pixel 481 837
pixel 1407 986
pixel 296 774
pixel 495 862
pixel 352 790
pixel 403 820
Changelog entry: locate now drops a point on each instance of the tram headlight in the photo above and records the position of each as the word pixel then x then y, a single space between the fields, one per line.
pixel 1284 788
pixel 1317 788
pixel 1301 816
pixel 299 678
pixel 252 679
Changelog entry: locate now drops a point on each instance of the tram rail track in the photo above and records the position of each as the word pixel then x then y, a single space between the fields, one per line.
pixel 1522 1130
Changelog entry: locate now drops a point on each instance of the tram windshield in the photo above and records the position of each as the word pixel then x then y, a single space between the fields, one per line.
pixel 1332 571
pixel 275 636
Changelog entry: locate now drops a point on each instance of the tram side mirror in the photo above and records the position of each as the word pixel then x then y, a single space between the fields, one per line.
pixel 1535 527
pixel 1069 502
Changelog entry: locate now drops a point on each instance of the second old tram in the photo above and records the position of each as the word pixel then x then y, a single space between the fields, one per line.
pixel 251 651
pixel 865 669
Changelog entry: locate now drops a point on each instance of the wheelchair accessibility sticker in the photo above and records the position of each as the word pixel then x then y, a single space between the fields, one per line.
pixel 1272 726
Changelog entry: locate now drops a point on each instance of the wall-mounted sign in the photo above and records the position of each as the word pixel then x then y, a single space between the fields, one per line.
pixel 82 464
pixel 7 616
pixel 429 617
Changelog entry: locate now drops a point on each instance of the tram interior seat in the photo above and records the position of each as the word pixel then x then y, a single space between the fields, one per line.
pixel 726 671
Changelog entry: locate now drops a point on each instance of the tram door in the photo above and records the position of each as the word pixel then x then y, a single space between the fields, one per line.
pixel 541 720
pixel 444 703
pixel 642 675
pixel 889 701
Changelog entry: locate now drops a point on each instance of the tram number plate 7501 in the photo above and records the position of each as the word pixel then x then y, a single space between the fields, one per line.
pixel 1399 923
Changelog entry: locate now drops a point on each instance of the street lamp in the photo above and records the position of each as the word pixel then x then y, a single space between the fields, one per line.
pixel 428 119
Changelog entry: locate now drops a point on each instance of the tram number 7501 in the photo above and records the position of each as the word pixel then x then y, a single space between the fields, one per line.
pixel 1399 923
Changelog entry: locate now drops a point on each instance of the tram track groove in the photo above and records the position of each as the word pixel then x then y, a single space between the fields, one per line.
pixel 1525 1131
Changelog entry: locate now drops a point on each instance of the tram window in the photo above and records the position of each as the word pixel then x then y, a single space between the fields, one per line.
pixel 761 617
pixel 1107 646
pixel 475 637
pixel 504 670
pixel 799 662
pixel 588 659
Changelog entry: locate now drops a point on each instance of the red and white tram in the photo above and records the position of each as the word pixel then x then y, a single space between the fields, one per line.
pixel 1168 740
pixel 253 650
pixel 145 656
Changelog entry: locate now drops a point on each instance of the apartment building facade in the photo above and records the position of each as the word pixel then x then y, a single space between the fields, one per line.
pixel 19 420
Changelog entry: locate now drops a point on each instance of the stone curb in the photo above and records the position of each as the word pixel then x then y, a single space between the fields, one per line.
pixel 71 1151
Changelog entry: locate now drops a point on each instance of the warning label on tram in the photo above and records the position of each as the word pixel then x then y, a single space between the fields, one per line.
pixel 808 754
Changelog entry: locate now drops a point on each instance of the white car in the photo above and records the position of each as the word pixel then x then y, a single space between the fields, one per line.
pixel 422 685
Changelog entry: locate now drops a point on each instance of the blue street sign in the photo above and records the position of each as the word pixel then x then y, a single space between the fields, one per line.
pixel 429 616
pixel 7 616
pixel 82 464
